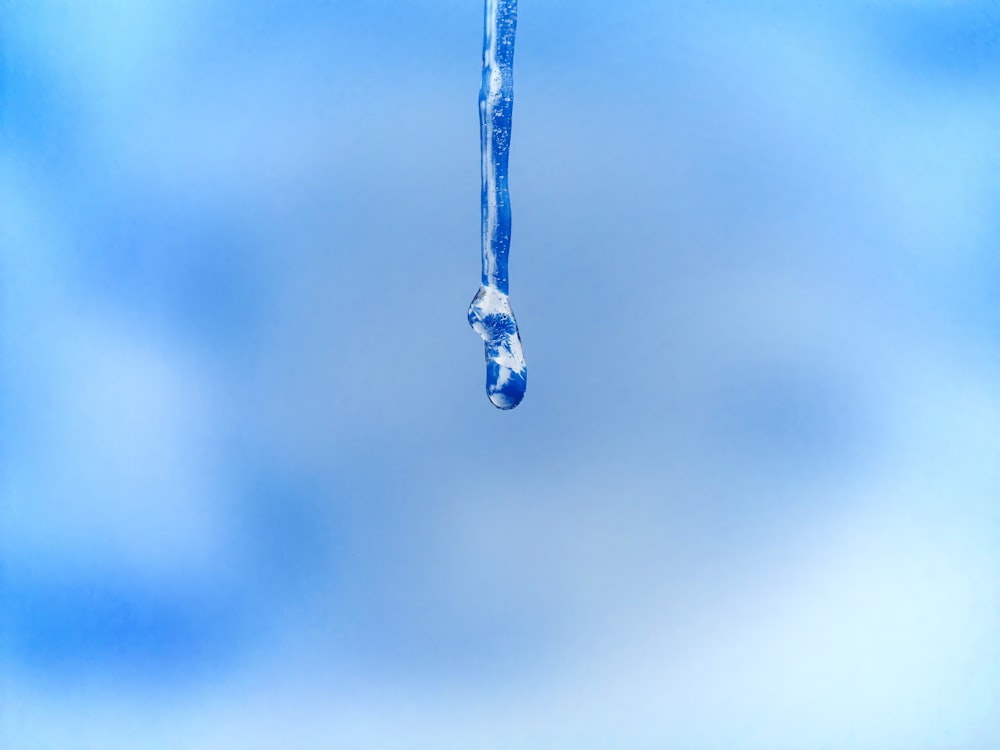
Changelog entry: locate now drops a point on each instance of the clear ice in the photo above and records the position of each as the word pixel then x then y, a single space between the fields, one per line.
pixel 490 314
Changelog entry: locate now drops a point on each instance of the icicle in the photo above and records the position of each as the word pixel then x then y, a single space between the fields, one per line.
pixel 490 314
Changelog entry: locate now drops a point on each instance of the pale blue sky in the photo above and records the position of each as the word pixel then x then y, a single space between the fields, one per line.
pixel 253 493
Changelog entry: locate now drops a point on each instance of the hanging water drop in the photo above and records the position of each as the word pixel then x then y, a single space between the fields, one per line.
pixel 490 313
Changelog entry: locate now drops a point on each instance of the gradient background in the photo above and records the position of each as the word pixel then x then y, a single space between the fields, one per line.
pixel 253 494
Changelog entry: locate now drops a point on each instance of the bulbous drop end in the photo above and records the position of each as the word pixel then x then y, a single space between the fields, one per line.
pixel 491 317
pixel 505 386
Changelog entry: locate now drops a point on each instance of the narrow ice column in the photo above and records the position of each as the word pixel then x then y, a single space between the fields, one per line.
pixel 490 313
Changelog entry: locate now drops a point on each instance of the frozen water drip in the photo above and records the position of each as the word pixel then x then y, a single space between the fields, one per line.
pixel 490 313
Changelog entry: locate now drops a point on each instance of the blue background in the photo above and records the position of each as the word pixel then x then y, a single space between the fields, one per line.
pixel 253 494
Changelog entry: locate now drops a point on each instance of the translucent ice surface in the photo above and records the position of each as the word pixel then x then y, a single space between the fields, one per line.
pixel 490 314
pixel 506 373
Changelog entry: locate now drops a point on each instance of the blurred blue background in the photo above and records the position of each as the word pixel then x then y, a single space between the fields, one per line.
pixel 253 494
